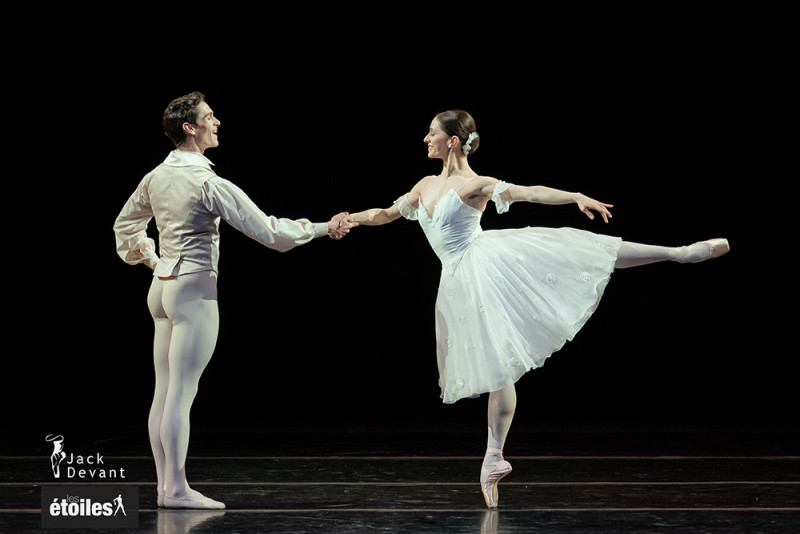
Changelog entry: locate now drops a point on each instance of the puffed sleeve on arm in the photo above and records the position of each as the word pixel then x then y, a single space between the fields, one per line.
pixel 130 229
pixel 501 197
pixel 405 208
pixel 226 200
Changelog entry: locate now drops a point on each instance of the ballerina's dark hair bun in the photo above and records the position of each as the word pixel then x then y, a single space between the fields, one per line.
pixel 460 123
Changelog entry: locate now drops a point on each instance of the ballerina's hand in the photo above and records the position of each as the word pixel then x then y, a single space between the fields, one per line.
pixel 340 225
pixel 588 206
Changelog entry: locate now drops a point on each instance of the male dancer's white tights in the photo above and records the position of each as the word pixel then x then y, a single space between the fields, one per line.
pixel 186 318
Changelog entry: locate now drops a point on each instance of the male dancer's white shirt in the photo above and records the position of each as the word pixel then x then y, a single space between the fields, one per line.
pixel 188 200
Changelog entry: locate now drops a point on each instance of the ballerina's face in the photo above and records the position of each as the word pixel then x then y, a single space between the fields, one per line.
pixel 438 142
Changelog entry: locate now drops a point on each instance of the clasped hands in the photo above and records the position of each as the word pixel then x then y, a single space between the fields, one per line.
pixel 340 225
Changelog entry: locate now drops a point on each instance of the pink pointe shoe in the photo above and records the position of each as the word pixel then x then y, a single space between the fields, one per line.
pixel 715 248
pixel 490 479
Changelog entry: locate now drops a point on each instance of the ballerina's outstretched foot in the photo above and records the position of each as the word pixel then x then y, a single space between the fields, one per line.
pixel 704 250
pixel 493 470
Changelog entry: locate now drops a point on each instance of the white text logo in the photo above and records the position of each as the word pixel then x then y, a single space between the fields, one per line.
pixel 79 466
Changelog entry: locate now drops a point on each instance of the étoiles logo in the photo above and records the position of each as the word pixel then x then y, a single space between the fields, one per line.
pixel 83 505
pixel 95 506
pixel 73 506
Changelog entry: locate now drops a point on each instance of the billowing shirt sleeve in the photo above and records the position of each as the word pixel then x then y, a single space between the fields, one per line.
pixel 130 229
pixel 226 200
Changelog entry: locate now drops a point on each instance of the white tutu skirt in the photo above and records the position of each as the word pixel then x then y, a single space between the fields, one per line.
pixel 516 296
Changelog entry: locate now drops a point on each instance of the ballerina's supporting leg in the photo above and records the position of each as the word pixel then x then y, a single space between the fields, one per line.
pixel 635 254
pixel 502 405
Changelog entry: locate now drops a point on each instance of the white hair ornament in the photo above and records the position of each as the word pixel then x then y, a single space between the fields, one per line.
pixel 468 145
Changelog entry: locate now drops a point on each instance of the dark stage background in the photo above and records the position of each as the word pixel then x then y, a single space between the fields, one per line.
pixel 652 109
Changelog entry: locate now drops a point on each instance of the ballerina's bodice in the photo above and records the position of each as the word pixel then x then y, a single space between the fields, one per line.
pixel 451 229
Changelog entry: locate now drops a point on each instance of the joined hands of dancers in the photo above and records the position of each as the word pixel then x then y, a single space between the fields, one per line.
pixel 537 286
pixel 340 225
pixel 424 202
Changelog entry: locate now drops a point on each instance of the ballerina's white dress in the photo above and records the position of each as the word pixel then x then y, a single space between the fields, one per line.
pixel 507 298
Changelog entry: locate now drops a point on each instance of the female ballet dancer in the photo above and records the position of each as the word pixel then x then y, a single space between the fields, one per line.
pixel 187 200
pixel 508 298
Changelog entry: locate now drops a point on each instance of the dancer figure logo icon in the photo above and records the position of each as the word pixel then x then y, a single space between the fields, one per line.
pixel 58 453
pixel 79 466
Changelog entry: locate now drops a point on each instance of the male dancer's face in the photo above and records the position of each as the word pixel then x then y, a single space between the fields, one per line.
pixel 205 131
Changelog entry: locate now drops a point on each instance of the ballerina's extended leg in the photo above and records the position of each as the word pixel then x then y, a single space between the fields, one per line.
pixel 635 254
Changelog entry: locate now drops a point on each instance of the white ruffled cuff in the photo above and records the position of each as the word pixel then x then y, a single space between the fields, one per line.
pixel 405 208
pixel 501 198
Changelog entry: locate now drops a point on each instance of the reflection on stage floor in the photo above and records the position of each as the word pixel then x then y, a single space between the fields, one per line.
pixel 427 483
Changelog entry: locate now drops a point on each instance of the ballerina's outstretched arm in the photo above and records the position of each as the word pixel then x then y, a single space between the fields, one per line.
pixel 375 216
pixel 540 194
pixel 405 206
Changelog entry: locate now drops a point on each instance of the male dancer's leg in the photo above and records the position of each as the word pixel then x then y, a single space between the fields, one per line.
pixel 161 340
pixel 190 303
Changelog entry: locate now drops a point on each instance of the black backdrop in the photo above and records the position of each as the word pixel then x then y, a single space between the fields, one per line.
pixel 653 110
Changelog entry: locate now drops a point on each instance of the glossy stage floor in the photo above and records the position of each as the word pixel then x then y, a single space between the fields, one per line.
pixel 564 480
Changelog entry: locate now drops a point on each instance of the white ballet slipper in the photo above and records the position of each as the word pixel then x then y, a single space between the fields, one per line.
pixel 196 501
